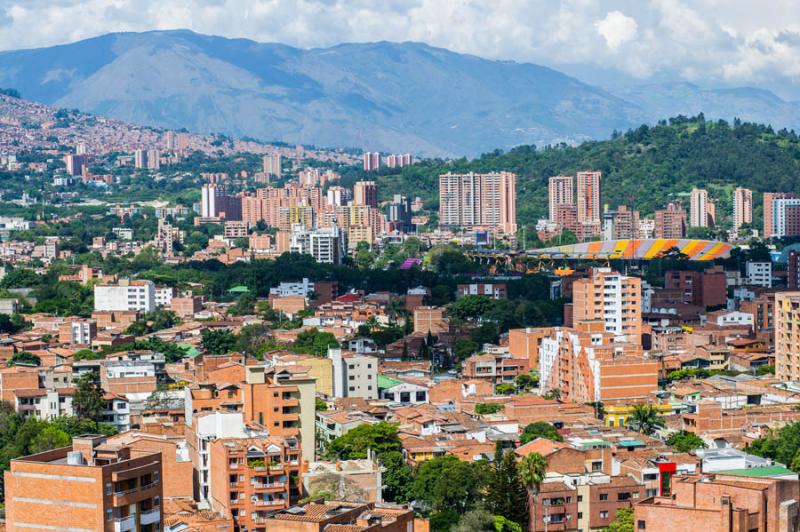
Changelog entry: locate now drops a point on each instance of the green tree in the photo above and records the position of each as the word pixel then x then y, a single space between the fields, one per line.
pixel 87 401
pixel 25 358
pixel 532 470
pixel 11 324
pixel 86 354
pixel 505 388
pixel 476 521
pixel 449 484
pixel 782 445
pixel 314 342
pixel 463 348
pixel 380 438
pixel 540 429
pixel 505 494
pixel 645 419
pixel 50 437
pixel 526 381
pixel 364 257
pixel 218 342
pixel 245 304
pixel 623 521
pixel 685 442
pixel 20 278
pixel 488 408
pixel 470 307
pixel 397 477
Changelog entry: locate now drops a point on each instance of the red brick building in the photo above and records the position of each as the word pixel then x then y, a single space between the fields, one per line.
pixel 91 485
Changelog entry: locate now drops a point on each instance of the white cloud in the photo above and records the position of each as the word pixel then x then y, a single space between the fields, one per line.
pixel 617 29
pixel 736 41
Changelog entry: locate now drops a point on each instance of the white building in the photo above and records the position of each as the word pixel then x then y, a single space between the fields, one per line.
pixel 354 375
pixel 302 288
pixel 326 244
pixel 698 208
pixel 402 392
pixel 734 317
pixel 759 274
pixel 123 233
pixel 43 403
pixel 127 295
pixel 117 412
pixel 164 295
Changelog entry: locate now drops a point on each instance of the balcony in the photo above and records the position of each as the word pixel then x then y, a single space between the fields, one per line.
pixel 275 503
pixel 269 486
pixel 151 516
pixel 123 524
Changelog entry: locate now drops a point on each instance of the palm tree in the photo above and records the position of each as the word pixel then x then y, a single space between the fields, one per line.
pixel 371 323
pixel 645 419
pixel 532 470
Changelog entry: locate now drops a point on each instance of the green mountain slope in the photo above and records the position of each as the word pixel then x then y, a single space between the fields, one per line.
pixel 642 168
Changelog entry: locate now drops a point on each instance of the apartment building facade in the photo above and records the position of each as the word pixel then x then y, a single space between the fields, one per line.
pixel 124 296
pixel 614 298
pixel 478 201
pixel 97 486
pixel 251 478
pixel 787 336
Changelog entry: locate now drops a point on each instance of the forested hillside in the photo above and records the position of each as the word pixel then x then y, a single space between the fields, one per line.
pixel 643 168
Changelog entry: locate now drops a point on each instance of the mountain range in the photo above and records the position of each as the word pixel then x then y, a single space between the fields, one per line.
pixel 384 96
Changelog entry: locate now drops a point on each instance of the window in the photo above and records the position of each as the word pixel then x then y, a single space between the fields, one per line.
pixel 604 496
pixel 108 488
pixel 603 515
pixel 352 388
pixel 109 514
pixel 580 498
pixel 580 515
pixel 640 524
pixel 569 500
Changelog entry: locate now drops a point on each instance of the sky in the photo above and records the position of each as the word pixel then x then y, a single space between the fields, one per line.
pixel 711 42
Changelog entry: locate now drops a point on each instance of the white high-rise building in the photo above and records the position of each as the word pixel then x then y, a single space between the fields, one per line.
pixel 698 208
pixel 127 295
pixel 759 274
pixel 327 244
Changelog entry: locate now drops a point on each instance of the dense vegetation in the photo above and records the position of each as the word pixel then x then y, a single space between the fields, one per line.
pixel 456 495
pixel 644 168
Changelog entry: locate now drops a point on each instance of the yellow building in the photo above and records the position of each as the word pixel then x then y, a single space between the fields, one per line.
pixel 617 415
pixel 319 368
